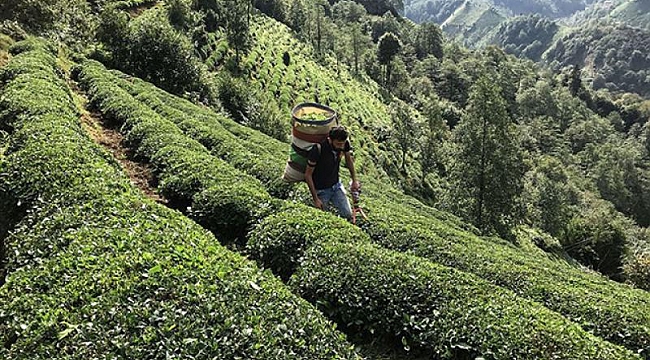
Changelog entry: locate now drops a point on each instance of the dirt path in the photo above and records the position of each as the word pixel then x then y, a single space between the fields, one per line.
pixel 108 137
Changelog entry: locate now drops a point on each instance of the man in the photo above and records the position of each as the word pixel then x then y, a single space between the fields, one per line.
pixel 322 174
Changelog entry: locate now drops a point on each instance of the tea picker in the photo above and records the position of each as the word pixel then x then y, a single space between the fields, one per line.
pixel 319 144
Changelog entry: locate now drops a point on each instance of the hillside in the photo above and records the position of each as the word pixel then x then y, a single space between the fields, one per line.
pixel 421 10
pixel 632 13
pixel 572 34
pixel 143 214
pixel 613 57
pixel 471 22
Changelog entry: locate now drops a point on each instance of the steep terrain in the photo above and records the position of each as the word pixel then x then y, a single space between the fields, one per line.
pixel 96 268
pixel 558 33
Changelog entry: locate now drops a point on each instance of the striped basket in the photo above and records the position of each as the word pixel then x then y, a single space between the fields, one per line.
pixel 311 123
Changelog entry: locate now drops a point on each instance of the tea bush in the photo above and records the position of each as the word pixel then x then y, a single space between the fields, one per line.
pixel 99 271
pixel 186 171
pixel 280 240
pixel 437 309
pixel 585 298
pixel 401 223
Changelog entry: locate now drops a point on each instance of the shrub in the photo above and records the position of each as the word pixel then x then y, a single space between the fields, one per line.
pixel 221 135
pixel 435 309
pixel 98 271
pixel 149 47
pixel 637 270
pixel 234 96
pixel 223 199
pixel 230 209
pixel 597 242
pixel 622 319
pixel 185 173
pixel 280 240
pixel 69 21
pixel 13 30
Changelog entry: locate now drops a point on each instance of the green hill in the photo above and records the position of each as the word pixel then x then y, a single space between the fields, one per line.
pixel 471 22
pixel 612 56
pixel 547 8
pixel 632 13
pixel 567 33
pixel 230 262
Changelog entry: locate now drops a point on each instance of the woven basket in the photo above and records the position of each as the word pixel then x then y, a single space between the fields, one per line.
pixel 306 132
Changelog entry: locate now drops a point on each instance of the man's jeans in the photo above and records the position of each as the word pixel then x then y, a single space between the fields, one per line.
pixel 336 196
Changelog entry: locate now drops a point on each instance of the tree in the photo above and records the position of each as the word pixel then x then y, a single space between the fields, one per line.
pixel 346 12
pixel 620 177
pixel 149 47
pixel 379 7
pixel 596 238
pixel 428 41
pixel 67 21
pixel 359 42
pixel 488 170
pixel 317 17
pixel 113 29
pixel 33 15
pixel 297 16
pixel 389 46
pixel 548 196
pixel 385 24
pixel 433 136
pixel 451 83
pixel 405 129
pixel 273 8
pixel 238 26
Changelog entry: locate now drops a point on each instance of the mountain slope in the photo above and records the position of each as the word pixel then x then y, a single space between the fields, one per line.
pixel 408 232
pixel 635 13
pixel 94 268
pixel 615 57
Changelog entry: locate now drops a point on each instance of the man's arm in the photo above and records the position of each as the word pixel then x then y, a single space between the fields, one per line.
pixel 349 162
pixel 310 183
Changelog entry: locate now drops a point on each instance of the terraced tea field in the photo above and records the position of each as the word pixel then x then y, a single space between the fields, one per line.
pixel 96 269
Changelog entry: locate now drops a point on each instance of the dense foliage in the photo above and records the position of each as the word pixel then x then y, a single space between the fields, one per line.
pixel 97 270
pixel 280 241
pixel 547 177
pixel 526 36
pixel 615 56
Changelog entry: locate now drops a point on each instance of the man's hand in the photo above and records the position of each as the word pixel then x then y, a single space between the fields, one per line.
pixel 355 186
pixel 318 204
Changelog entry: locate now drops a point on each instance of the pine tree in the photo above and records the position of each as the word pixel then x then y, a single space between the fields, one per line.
pixel 488 168
pixel 389 45
pixel 428 41
pixel 238 25
pixel 356 36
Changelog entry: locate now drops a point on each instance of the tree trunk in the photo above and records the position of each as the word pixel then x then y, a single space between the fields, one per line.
pixel 481 179
pixel 318 32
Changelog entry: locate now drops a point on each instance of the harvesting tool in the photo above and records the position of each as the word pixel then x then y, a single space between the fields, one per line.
pixel 356 204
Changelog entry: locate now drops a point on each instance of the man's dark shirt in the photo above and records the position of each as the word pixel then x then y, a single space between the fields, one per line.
pixel 326 171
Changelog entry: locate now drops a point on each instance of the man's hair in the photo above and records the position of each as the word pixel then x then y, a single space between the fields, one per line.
pixel 339 133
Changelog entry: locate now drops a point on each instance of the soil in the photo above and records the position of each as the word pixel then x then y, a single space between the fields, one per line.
pixel 106 135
